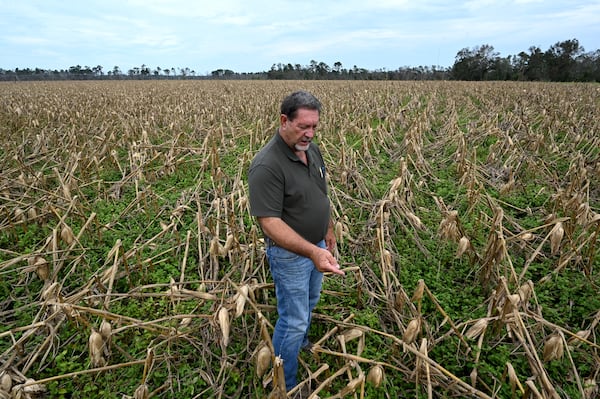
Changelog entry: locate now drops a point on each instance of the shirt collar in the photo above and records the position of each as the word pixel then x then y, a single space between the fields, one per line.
pixel 285 148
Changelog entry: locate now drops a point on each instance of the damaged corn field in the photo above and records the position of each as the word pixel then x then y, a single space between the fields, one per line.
pixel 467 218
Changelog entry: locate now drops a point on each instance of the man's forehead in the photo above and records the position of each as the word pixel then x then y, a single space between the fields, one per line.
pixel 307 114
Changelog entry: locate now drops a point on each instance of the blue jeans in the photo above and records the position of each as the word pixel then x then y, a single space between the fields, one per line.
pixel 297 288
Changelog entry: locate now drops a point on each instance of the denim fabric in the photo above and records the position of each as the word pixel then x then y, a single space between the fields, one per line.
pixel 298 288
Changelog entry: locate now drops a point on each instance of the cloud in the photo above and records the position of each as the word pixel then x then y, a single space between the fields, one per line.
pixel 252 35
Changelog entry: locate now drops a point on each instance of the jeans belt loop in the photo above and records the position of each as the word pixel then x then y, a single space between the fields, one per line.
pixel 270 243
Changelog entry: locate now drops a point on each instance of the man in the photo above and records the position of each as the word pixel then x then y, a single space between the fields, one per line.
pixel 288 196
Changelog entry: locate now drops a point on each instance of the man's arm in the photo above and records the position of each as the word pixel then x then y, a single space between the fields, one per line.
pixel 287 238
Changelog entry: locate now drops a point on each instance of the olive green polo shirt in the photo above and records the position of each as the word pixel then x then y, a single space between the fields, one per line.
pixel 282 186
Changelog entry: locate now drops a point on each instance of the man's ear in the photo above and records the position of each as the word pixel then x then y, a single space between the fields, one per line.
pixel 283 119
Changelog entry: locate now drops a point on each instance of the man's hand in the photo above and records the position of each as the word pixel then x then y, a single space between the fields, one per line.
pixel 330 239
pixel 287 238
pixel 325 262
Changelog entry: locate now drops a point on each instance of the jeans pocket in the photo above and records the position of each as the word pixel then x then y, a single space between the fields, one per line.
pixel 278 254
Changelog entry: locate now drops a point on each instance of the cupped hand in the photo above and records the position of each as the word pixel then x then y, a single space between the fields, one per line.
pixel 325 262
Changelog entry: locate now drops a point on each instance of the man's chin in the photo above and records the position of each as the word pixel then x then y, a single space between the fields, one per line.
pixel 302 147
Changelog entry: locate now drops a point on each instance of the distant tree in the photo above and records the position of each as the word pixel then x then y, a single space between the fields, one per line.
pixel 501 69
pixel 75 70
pixel 588 67
pixel 276 72
pixel 144 71
pixel 322 69
pixel 222 73
pixel 532 65
pixel 337 67
pixel 561 60
pixel 475 63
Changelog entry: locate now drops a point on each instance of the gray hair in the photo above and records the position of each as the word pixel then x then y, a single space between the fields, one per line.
pixel 299 100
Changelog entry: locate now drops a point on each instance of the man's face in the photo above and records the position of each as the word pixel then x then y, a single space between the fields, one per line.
pixel 298 133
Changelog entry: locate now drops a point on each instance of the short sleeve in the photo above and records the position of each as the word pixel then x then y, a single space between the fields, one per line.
pixel 266 190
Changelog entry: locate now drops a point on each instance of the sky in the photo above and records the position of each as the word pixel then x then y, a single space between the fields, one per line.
pixel 252 35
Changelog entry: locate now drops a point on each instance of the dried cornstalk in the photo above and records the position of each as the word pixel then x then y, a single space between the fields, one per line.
pixel 412 331
pixel 513 379
pixel 422 366
pixel 224 324
pixel 96 344
pixel 376 375
pixel 240 299
pixel 263 360
pixel 449 227
pixel 279 389
pixel 477 328
pixel 553 348
pixel 556 236
pixel 5 381
pixel 463 245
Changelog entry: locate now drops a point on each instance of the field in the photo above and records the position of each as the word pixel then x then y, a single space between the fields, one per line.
pixel 467 217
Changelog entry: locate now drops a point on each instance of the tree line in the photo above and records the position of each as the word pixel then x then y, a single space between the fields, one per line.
pixel 564 61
